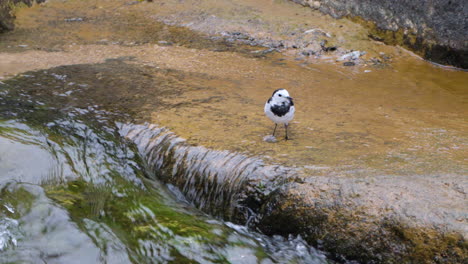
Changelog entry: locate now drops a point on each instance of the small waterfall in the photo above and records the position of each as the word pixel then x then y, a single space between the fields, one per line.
pixel 226 184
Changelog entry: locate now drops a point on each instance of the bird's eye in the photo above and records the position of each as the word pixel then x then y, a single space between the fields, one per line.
pixel 279 95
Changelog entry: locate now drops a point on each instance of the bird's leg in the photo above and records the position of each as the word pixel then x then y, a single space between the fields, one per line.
pixel 286 127
pixel 274 130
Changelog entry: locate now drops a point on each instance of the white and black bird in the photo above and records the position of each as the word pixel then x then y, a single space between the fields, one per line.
pixel 280 109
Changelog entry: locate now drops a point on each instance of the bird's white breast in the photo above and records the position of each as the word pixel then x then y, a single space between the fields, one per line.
pixel 285 119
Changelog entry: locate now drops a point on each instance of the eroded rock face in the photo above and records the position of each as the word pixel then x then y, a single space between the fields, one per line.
pixel 373 220
pixel 437 30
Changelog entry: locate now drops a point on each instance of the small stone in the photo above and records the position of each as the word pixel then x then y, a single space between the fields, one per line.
pixel 270 139
pixel 75 19
pixel 326 48
pixel 354 55
pixel 164 43
pixel 349 63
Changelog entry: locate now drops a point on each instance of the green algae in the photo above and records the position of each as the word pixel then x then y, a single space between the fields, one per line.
pixel 328 235
pixel 348 231
pixel 101 184
pixel 415 42
pixel 132 214
pixel 18 198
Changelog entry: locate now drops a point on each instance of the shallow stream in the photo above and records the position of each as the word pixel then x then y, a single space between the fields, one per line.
pixel 73 190
pixel 97 96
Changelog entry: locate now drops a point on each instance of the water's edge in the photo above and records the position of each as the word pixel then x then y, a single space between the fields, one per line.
pixel 246 191
pixel 409 24
pixel 401 218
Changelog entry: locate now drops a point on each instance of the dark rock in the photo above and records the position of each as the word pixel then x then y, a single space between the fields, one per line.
pixel 308 52
pixel 436 30
pixel 7 17
pixel 326 48
pixel 349 63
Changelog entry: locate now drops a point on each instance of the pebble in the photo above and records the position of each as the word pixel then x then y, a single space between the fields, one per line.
pixel 270 139
pixel 349 63
pixel 165 43
pixel 308 52
pixel 75 19
pixel 351 55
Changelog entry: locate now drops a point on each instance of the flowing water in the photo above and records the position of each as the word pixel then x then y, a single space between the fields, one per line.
pixel 73 190
pixel 122 123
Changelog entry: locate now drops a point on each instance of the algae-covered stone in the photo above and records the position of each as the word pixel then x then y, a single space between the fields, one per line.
pixel 345 227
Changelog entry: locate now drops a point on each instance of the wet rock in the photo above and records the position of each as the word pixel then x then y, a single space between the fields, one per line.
pixel 133 3
pixel 326 48
pixel 308 52
pixel 270 139
pixel 235 189
pixel 349 63
pixel 6 16
pixel 346 226
pixel 264 52
pixel 241 37
pixel 354 55
pixel 436 30
pixel 165 43
pixel 318 31
pixel 371 220
pixel 74 19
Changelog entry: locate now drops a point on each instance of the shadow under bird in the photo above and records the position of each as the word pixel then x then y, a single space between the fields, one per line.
pixel 280 109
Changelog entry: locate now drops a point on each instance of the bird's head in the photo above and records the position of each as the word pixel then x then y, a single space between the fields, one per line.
pixel 281 95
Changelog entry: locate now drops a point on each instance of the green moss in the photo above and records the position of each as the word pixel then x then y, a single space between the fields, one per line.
pixel 430 245
pixel 19 198
pixel 132 213
pixel 408 39
pixel 8 9
pixel 348 231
